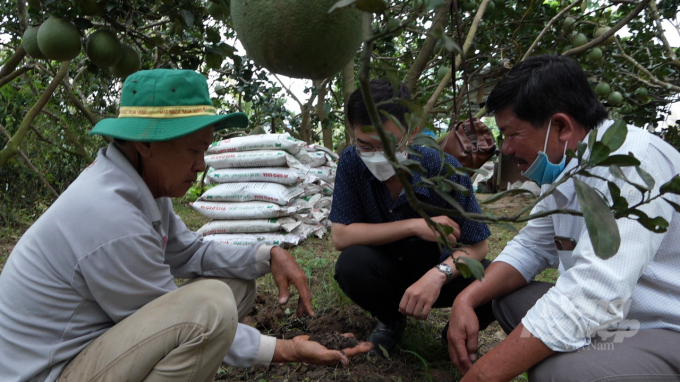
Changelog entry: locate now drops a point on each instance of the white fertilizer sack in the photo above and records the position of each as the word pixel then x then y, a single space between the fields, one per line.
pixel 243 211
pixel 306 230
pixel 254 225
pixel 284 241
pixel 282 175
pixel 262 158
pixel 258 142
pixel 318 158
pixel 251 191
pixel 315 147
pixel 325 173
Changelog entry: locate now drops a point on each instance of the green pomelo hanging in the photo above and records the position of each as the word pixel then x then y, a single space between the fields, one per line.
pixel 602 30
pixel 58 39
pixel 298 38
pixel 129 63
pixel 595 55
pixel 602 89
pixel 615 98
pixel 103 48
pixel 578 40
pixel 30 42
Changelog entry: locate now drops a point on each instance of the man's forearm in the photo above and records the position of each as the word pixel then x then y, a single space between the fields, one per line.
pixel 371 234
pixel 499 279
pixel 514 355
pixel 476 251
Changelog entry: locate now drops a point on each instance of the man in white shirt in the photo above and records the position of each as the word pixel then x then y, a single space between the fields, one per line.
pixel 603 320
pixel 88 293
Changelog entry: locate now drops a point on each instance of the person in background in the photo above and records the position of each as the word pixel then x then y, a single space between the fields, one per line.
pixel 89 292
pixel 603 320
pixel 390 263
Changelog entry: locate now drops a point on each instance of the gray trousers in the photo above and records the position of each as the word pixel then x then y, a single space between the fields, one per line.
pixel 649 355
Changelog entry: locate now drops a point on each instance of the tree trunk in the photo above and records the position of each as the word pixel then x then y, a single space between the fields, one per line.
pixel 347 90
pixel 427 49
pixel 326 131
pixel 13 144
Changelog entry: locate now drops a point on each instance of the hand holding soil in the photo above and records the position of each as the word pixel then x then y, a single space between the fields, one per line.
pixel 286 271
pixel 302 349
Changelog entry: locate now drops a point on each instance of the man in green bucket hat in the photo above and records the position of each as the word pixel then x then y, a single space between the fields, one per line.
pixel 88 293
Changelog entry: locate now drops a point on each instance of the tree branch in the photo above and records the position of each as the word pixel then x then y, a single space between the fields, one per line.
pixel 652 77
pixel 13 144
pixel 466 45
pixel 13 61
pixel 6 79
pixel 30 164
pixel 426 50
pixel 610 32
pixel 550 23
pixel 661 35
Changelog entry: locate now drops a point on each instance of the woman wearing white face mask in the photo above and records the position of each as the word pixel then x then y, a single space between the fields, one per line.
pixel 390 263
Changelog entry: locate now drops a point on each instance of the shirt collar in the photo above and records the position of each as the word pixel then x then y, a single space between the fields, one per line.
pixel 148 202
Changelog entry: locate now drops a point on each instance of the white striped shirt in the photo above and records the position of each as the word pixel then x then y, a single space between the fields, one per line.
pixel 638 288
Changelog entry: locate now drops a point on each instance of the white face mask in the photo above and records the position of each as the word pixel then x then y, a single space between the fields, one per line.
pixel 379 166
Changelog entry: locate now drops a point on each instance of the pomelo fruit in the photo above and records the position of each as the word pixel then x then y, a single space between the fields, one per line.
pixel 568 23
pixel 641 92
pixel 602 89
pixel 469 6
pixel 595 55
pixel 600 31
pixel 298 38
pixel 442 72
pixel 30 42
pixel 615 98
pixel 490 7
pixel 58 39
pixel 579 40
pixel 103 48
pixel 128 64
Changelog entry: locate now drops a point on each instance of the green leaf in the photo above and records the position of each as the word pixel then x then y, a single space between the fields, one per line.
pixel 341 4
pixel 212 35
pixel 599 153
pixel 506 225
pixel 414 165
pixel 581 150
pixel 475 266
pixel 656 225
pixel 615 135
pixel 676 206
pixel 619 203
pixel 600 222
pixel 592 137
pixel 447 41
pixel 188 17
pixel 214 61
pixel 463 268
pixel 457 187
pixel 503 194
pixel 648 179
pixel 447 229
pixel 82 23
pixel 450 200
pixel 620 160
pixel 672 186
pixel 371 6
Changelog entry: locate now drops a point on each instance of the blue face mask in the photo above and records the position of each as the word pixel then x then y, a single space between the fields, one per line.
pixel 542 171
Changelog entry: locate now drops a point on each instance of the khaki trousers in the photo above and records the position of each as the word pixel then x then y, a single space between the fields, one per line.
pixel 647 355
pixel 180 336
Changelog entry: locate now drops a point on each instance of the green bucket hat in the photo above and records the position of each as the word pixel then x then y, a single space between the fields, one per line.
pixel 164 104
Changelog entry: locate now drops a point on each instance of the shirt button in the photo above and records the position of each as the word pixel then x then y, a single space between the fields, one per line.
pixel 390 211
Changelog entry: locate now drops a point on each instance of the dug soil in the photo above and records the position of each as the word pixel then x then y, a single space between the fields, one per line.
pixel 326 327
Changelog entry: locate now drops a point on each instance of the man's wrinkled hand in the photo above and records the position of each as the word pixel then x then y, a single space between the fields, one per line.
pixel 286 271
pixel 463 336
pixel 301 349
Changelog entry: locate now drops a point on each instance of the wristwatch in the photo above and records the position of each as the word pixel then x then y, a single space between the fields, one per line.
pixel 446 269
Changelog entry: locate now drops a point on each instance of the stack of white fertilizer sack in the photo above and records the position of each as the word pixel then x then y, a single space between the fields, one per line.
pixel 271 188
